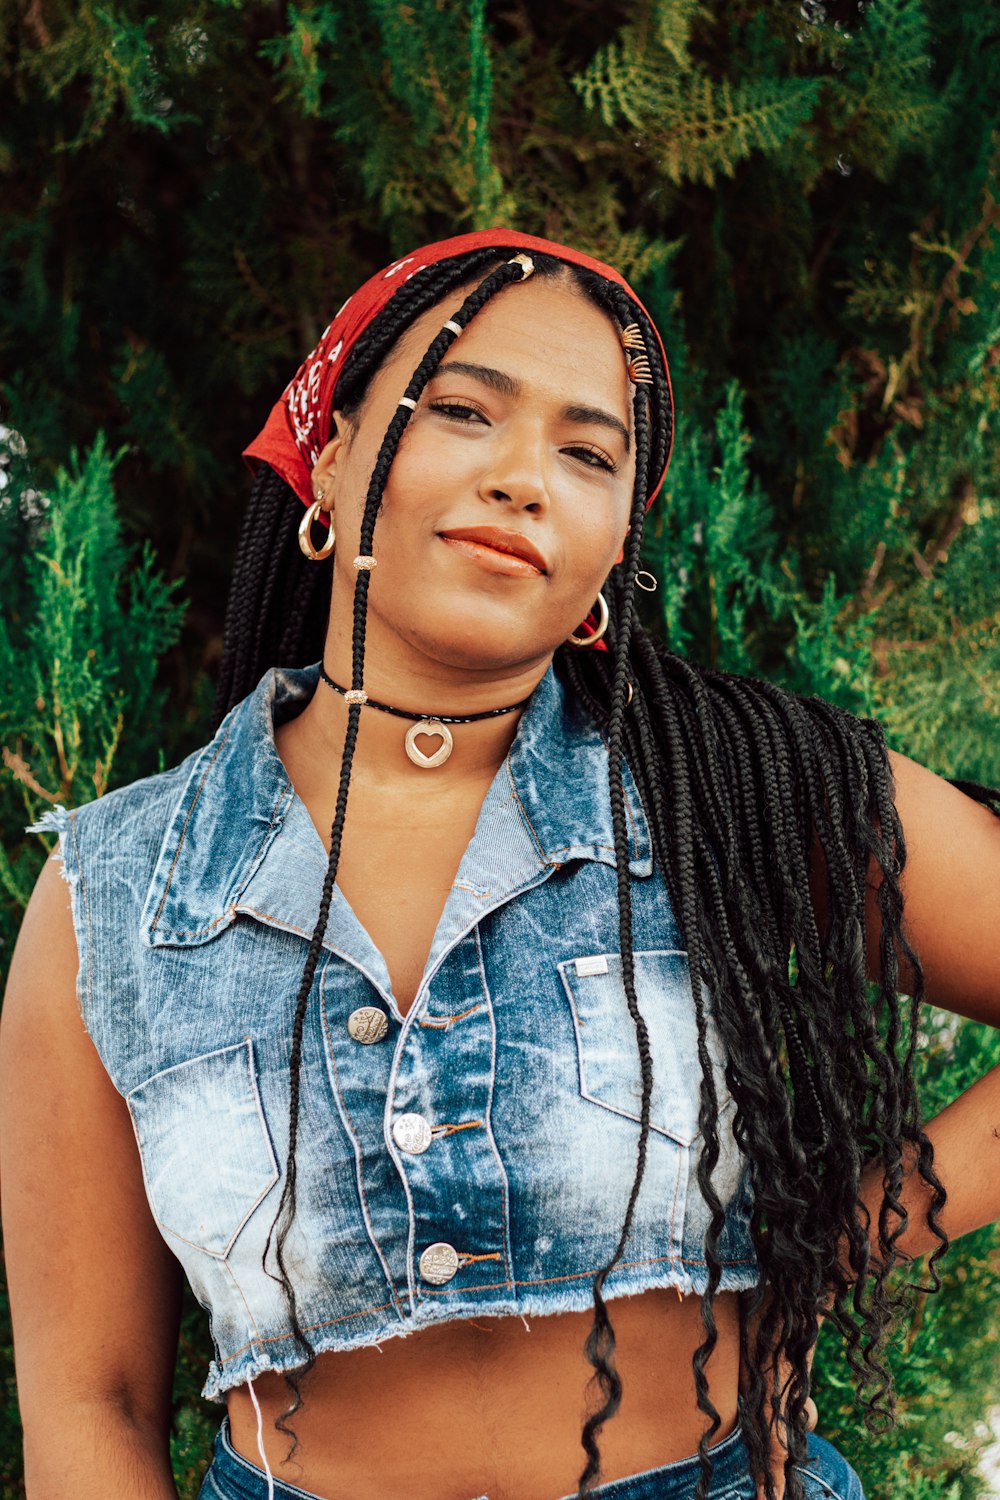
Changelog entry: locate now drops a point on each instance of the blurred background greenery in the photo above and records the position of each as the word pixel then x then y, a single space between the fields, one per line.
pixel 805 197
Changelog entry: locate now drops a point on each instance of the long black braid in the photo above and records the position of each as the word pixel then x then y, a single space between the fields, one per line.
pixel 741 783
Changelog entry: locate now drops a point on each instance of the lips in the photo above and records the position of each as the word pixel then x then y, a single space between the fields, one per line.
pixel 498 539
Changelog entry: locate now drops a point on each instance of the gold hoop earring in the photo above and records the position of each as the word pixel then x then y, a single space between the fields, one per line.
pixel 314 554
pixel 582 641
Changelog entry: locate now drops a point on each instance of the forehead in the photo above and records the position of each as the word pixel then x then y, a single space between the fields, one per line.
pixel 544 332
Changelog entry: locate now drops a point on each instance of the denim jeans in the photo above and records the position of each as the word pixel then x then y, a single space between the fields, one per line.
pixel 826 1476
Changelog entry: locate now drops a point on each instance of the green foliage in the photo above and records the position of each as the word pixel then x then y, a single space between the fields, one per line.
pixel 298 57
pixel 694 126
pixel 885 95
pixel 79 642
pixel 945 1357
pixel 710 541
pixel 804 196
pixel 117 55
pixel 84 622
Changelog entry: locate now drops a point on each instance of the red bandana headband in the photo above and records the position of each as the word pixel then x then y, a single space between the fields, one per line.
pixel 298 428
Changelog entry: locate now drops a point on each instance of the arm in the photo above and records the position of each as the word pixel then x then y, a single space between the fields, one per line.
pixel 951 915
pixel 95 1293
pixel 951 896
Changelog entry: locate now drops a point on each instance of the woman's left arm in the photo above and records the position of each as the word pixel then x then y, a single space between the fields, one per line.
pixel 951 917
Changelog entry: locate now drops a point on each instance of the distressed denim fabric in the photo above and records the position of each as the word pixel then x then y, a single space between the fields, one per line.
pixel 194 894
pixel 826 1475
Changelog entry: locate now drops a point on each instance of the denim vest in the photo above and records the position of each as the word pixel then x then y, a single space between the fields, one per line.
pixel 475 1159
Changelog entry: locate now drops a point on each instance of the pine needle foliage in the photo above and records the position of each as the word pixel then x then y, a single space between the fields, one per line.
pixel 806 198
pixel 694 127
pixel 885 95
pixel 79 711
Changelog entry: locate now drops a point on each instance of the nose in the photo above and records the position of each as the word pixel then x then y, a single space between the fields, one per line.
pixel 515 471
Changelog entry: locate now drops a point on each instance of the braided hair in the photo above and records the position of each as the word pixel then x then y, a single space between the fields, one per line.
pixel 759 780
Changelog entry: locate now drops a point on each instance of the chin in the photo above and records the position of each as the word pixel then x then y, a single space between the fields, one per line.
pixel 483 645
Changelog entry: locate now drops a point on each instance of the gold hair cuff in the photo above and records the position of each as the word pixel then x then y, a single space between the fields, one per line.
pixel 452 326
pixel 365 564
pixel 639 370
pixel 525 262
pixel 407 401
pixel 356 695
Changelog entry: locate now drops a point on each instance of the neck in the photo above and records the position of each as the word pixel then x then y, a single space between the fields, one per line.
pixel 426 689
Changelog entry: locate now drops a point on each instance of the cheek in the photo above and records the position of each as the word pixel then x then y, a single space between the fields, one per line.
pixel 593 528
pixel 423 460
pixel 426 483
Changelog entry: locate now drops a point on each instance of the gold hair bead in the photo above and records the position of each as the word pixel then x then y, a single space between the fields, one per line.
pixel 356 695
pixel 631 337
pixel 639 370
pixel 525 262
pixel 452 326
pixel 365 564
pixel 407 401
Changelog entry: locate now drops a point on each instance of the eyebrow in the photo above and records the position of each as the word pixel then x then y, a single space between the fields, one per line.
pixel 506 385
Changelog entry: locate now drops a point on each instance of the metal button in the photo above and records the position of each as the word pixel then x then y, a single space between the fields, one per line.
pixel 439 1263
pixel 367 1024
pixel 411 1133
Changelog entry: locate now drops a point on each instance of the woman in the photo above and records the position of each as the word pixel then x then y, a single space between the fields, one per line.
pixel 447 993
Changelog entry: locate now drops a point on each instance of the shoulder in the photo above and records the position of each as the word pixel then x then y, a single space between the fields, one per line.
pixel 77 955
pixel 122 829
pixel 950 883
pixel 100 866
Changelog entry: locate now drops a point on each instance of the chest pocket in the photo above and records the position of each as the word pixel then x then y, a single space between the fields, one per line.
pixel 607 1046
pixel 206 1155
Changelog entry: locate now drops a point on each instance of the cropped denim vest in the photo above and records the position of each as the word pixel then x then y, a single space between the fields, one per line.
pixel 476 1158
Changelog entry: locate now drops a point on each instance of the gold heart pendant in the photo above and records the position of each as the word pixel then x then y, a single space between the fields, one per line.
pixel 436 730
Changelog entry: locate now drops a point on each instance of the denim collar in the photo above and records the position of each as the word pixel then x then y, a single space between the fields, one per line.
pixel 241 841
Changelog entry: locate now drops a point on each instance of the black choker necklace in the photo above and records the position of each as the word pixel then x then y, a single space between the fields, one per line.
pixel 436 725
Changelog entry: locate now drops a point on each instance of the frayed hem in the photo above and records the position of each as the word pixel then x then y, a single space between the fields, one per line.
pixel 235 1372
pixel 56 819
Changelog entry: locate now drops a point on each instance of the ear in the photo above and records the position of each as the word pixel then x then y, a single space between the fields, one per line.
pixel 324 473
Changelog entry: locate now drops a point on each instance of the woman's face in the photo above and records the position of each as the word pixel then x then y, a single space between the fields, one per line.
pixel 508 500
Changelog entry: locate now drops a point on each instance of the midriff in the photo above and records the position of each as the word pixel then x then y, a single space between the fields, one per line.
pixel 491 1407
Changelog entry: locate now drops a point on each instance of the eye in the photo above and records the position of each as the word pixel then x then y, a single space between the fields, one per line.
pixel 468 415
pixel 461 411
pixel 594 458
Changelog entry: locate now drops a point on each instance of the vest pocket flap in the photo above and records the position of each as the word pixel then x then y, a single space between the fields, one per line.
pixel 607 1046
pixel 206 1155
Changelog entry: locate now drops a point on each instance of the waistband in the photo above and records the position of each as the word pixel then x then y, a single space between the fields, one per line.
pixel 233 1477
